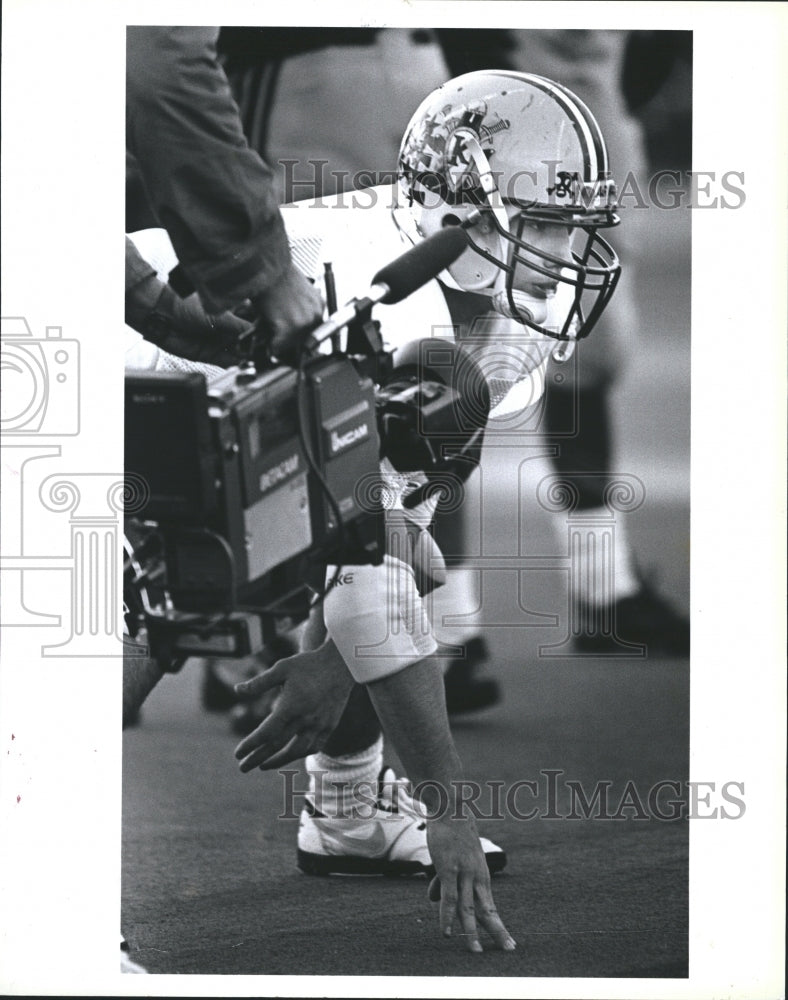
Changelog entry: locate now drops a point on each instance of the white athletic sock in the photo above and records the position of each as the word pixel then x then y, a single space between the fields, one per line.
pixel 345 786
pixel 603 569
pixel 458 596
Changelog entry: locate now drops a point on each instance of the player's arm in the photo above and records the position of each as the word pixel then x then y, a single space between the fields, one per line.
pixel 411 706
pixel 412 709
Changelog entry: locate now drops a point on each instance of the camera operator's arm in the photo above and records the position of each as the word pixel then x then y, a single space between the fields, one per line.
pixel 179 326
pixel 207 188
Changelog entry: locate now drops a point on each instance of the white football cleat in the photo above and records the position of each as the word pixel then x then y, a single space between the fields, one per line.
pixel 390 839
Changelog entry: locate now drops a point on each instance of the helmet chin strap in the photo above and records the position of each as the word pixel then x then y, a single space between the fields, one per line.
pixel 533 310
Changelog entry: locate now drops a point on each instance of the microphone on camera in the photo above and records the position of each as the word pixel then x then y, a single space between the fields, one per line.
pixel 420 264
pixel 398 279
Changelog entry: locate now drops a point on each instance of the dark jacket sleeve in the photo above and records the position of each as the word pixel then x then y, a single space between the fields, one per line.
pixel 208 189
pixel 138 270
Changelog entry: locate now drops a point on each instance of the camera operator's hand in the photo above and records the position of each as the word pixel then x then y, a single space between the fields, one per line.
pixel 183 327
pixel 315 686
pixel 287 314
pixel 179 326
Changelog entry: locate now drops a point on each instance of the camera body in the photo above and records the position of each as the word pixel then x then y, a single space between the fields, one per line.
pixel 41 381
pixel 254 484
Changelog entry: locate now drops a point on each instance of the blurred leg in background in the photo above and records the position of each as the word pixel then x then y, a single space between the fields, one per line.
pixel 580 415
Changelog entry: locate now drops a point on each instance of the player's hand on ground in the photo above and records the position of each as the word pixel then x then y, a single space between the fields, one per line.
pixel 461 884
pixel 287 314
pixel 314 689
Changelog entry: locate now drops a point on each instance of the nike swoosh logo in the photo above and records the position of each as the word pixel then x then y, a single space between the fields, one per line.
pixel 366 842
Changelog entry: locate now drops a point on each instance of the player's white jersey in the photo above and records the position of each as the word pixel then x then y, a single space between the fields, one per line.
pixel 355 233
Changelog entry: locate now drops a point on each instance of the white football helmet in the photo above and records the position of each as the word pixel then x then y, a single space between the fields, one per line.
pixel 494 151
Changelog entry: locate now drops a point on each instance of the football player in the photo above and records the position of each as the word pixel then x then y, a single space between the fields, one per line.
pixel 519 162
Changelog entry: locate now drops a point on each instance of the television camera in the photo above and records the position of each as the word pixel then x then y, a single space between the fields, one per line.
pixel 253 483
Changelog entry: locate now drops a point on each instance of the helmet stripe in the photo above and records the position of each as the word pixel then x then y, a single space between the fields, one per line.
pixel 590 136
pixel 586 118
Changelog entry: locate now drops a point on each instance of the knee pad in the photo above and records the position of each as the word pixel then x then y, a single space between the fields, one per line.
pixel 377 619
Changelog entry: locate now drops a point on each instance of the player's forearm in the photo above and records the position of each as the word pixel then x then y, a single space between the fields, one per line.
pixel 411 706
